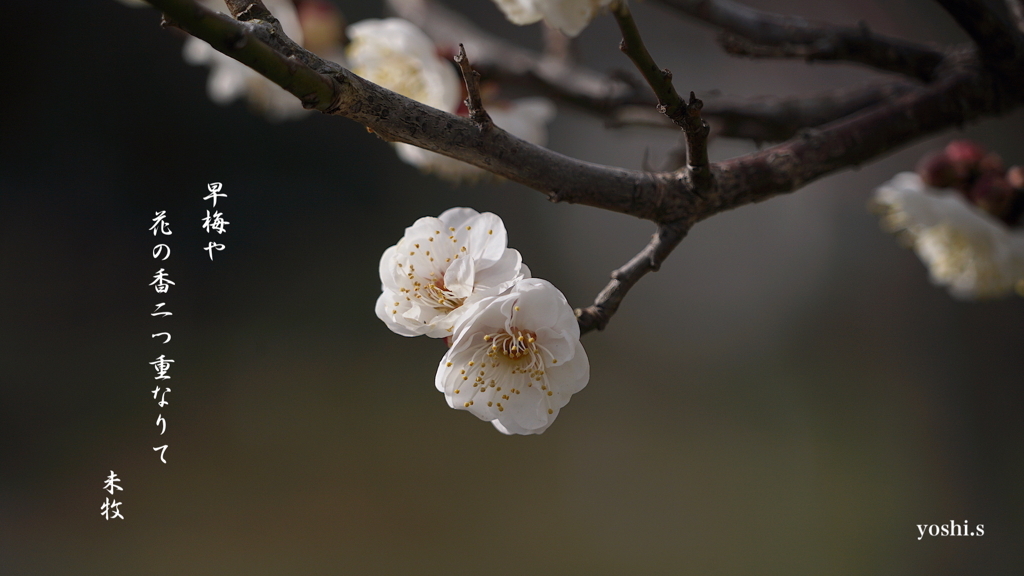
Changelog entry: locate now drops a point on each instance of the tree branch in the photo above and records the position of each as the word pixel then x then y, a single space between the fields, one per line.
pixel 963 91
pixel 961 95
pixel 664 241
pixel 686 114
pixel 617 99
pixel 474 103
pixel 500 60
pixel 997 38
pixel 749 32
pixel 396 118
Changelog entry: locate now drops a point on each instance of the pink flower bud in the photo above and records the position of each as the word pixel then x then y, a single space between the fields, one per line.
pixel 323 26
pixel 993 194
pixel 965 152
pixel 937 171
pixel 965 156
pixel 992 163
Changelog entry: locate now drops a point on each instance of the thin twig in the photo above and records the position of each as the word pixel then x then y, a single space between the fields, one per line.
pixel 474 103
pixel 686 114
pixel 619 100
pixel 499 60
pixel 774 119
pixel 664 241
pixel 750 32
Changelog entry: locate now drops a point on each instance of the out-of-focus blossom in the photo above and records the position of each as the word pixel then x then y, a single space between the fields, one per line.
pixel 230 80
pixel 516 359
pixel 965 248
pixel 569 16
pixel 397 55
pixel 440 267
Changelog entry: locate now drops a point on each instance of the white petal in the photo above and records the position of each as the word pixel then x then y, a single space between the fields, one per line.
pixel 520 12
pixel 397 55
pixel 525 391
pixel 457 217
pixel 501 275
pixel 486 238
pixel 389 313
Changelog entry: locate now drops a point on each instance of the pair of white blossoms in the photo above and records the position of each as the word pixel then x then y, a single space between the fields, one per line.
pixel 515 356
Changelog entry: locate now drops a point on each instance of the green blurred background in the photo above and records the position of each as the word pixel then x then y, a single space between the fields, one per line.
pixel 788 395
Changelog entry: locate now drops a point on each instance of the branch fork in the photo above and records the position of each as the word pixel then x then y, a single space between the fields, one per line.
pixel 850 128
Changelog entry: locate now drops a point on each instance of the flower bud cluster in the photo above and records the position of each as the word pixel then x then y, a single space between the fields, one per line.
pixel 980 176
pixel 515 356
pixel 961 213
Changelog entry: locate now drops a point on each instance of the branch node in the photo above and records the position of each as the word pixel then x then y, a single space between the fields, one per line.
pixel 474 102
pixel 246 10
pixel 310 101
pixel 238 42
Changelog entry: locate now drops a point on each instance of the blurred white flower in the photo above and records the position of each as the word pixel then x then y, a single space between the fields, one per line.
pixel 966 249
pixel 569 16
pixel 526 118
pixel 230 80
pixel 440 267
pixel 397 55
pixel 516 359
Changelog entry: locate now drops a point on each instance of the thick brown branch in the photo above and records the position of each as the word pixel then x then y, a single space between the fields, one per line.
pixel 664 241
pixel 686 114
pixel 750 32
pixel 961 95
pixel 998 39
pixel 474 103
pixel 964 91
pixel 396 118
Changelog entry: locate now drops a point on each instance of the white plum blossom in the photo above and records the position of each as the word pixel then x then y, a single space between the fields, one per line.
pixel 397 55
pixel 516 359
pixel 440 267
pixel 569 16
pixel 966 249
pixel 526 118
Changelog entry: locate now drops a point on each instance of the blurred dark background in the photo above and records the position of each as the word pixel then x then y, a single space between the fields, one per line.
pixel 789 395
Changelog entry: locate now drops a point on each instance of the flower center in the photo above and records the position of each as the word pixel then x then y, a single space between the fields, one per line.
pixel 440 297
pixel 499 369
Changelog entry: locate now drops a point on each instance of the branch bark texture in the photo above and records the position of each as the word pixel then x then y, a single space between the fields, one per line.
pixel 963 86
